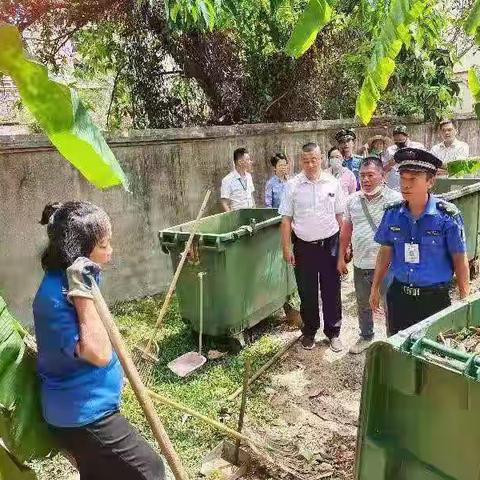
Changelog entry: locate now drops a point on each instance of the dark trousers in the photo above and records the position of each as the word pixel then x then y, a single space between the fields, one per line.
pixel 316 265
pixel 111 448
pixel 405 310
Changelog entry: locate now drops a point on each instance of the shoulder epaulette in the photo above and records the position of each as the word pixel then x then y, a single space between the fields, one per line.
pixel 396 203
pixel 448 208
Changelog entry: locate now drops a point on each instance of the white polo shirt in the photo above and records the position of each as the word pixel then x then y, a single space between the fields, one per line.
pixel 456 151
pixel 239 190
pixel 312 205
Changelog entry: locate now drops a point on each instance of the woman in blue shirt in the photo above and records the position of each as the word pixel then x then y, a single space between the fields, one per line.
pixel 81 377
pixel 275 185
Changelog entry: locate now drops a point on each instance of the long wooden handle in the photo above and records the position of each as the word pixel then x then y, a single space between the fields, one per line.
pixel 137 385
pixel 173 283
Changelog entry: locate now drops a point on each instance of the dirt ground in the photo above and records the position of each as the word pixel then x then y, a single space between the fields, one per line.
pixel 316 395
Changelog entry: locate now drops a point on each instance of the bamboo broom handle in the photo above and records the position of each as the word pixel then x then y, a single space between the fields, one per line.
pixel 173 284
pixel 265 367
pixel 137 385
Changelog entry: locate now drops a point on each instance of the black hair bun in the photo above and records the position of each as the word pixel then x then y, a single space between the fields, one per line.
pixel 48 211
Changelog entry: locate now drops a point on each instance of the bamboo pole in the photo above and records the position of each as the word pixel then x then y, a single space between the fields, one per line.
pixel 265 367
pixel 137 385
pixel 246 376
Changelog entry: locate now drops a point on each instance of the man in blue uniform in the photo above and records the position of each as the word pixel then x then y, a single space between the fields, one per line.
pixel 423 241
pixel 346 144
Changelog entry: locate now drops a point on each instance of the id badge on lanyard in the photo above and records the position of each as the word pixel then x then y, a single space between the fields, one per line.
pixel 412 253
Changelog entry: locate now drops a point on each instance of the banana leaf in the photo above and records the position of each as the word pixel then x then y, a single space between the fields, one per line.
pixel 393 35
pixel 313 19
pixel 60 113
pixel 473 20
pixel 10 469
pixel 460 168
pixel 23 430
pixel 474 86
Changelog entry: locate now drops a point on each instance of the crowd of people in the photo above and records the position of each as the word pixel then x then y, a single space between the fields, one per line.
pixel 375 210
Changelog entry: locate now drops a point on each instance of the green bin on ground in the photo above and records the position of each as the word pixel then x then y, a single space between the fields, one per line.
pixel 246 277
pixel 465 194
pixel 420 408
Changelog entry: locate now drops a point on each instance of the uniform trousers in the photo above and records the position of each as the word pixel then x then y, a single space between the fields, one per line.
pixel 407 305
pixel 316 266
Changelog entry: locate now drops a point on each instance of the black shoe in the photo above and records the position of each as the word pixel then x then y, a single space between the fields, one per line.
pixel 308 342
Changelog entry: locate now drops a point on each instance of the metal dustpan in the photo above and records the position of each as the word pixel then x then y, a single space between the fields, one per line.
pixel 191 361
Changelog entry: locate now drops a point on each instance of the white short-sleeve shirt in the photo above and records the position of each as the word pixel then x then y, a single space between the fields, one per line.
pixel 239 190
pixel 313 206
pixel 456 151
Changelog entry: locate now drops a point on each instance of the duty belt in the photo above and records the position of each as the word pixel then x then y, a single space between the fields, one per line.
pixel 412 291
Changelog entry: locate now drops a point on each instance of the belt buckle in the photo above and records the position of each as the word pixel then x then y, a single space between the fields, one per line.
pixel 412 291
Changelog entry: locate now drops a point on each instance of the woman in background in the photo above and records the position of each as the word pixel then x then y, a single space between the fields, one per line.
pixel 345 176
pixel 276 184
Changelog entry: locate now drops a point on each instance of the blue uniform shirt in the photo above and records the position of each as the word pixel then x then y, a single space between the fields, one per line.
pixel 74 393
pixel 437 233
pixel 274 191
pixel 353 164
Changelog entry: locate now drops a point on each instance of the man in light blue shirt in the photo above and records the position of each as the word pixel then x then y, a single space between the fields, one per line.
pixel 276 184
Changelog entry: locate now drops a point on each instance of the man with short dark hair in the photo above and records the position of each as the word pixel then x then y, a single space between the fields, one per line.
pixel 422 242
pixel 363 213
pixel 346 144
pixel 312 208
pixel 237 187
pixel 401 139
pixel 450 148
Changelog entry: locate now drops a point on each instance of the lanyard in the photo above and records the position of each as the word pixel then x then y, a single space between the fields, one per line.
pixel 241 183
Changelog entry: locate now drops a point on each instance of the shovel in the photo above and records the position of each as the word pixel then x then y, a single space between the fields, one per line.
pixel 191 361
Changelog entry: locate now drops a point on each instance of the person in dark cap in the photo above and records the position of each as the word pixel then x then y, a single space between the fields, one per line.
pixel 423 241
pixel 346 144
pixel 400 140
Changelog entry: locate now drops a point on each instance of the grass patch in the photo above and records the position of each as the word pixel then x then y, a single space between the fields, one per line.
pixel 205 391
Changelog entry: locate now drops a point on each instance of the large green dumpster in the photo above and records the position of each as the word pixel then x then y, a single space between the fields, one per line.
pixel 465 194
pixel 420 409
pixel 246 278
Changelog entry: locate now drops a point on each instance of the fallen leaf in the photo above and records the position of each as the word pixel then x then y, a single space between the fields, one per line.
pixel 216 355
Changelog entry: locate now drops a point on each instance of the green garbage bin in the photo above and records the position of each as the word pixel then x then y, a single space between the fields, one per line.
pixel 465 194
pixel 420 408
pixel 246 277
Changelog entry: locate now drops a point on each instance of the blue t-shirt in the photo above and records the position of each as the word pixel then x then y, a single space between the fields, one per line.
pixel 74 392
pixel 438 235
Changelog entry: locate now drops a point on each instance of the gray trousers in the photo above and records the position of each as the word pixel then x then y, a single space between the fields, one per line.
pixel 363 279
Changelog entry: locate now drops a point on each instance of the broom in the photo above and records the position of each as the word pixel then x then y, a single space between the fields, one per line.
pixel 144 358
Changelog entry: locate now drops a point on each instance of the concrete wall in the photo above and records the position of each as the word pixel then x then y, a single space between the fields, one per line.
pixel 169 171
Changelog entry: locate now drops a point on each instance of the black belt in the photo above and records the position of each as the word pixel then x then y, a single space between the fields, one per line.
pixel 413 291
pixel 324 242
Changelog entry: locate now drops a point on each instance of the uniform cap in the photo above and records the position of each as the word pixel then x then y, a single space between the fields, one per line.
pixel 344 135
pixel 400 129
pixel 416 159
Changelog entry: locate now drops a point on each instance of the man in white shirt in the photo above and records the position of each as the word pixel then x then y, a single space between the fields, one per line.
pixel 237 187
pixel 451 148
pixel 312 208
pixel 363 214
pixel 401 140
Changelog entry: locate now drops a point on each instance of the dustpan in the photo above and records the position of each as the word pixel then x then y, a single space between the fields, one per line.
pixel 191 361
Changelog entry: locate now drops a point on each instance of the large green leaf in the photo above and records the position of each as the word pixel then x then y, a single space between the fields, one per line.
pixel 312 20
pixel 22 428
pixel 474 86
pixel 394 33
pixel 460 168
pixel 60 113
pixel 11 470
pixel 473 20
